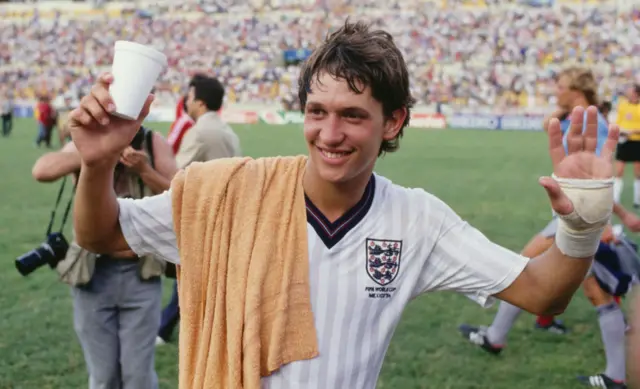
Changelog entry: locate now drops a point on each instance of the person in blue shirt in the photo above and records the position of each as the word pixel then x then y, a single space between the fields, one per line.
pixel 575 87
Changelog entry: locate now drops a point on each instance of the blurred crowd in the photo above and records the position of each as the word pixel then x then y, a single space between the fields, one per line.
pixel 462 53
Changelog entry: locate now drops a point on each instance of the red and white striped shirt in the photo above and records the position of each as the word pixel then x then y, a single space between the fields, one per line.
pixel 179 127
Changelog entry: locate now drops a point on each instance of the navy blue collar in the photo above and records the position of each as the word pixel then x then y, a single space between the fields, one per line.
pixel 332 233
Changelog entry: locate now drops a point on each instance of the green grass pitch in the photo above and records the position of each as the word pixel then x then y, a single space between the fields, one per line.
pixel 488 177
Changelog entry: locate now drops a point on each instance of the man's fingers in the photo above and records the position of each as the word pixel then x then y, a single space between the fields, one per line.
pixel 138 153
pixel 574 136
pixel 105 78
pixel 99 103
pixel 611 143
pixel 74 114
pixel 125 161
pixel 590 135
pixel 95 109
pixel 101 93
pixel 81 117
pixel 556 149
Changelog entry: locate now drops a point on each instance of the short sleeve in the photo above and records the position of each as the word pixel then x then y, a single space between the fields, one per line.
pixel 147 226
pixel 464 260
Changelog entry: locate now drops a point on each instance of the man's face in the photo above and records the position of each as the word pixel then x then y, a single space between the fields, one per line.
pixel 192 104
pixel 631 94
pixel 564 93
pixel 344 130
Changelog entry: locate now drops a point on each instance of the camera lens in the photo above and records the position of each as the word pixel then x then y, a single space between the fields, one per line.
pixel 32 260
pixel 52 251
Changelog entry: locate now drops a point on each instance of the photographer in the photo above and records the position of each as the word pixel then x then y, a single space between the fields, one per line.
pixel 116 296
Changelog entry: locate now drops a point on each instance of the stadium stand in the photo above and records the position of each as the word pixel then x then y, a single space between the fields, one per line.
pixel 471 55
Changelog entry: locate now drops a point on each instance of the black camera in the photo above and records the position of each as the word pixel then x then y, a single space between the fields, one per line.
pixel 51 251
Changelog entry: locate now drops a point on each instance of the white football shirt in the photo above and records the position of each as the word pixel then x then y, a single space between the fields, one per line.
pixel 393 245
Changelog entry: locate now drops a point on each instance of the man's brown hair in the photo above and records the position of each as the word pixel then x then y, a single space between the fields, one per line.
pixel 363 57
pixel 582 79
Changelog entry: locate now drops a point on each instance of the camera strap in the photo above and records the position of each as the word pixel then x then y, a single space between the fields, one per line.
pixel 148 140
pixel 55 207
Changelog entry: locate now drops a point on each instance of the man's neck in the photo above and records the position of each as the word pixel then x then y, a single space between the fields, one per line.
pixel 334 200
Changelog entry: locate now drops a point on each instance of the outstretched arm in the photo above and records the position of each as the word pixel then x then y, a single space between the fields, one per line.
pixel 104 223
pixel 581 195
pixel 100 138
pixel 481 269
pixel 547 283
pixel 57 164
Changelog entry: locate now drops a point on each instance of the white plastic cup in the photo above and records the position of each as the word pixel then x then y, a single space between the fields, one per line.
pixel 135 70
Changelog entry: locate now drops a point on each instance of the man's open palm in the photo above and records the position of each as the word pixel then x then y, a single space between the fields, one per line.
pixel 580 160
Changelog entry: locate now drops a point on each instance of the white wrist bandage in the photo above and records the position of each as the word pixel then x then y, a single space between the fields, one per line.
pixel 579 232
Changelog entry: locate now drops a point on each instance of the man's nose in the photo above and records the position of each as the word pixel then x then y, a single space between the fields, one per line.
pixel 331 131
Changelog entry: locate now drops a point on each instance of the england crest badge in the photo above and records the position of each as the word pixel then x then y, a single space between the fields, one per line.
pixel 383 260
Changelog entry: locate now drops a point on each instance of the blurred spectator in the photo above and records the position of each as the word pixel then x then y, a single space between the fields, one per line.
pixel 477 54
pixel 45 115
pixel 6 112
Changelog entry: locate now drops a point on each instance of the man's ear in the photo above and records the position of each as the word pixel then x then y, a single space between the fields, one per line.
pixel 393 124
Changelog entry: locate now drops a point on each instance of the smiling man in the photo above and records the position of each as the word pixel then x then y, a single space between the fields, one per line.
pixel 372 245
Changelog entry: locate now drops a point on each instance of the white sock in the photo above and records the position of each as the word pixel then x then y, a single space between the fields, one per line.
pixel 502 323
pixel 612 329
pixel 618 184
pixel 636 191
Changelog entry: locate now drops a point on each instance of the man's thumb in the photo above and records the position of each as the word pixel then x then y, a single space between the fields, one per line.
pixel 559 201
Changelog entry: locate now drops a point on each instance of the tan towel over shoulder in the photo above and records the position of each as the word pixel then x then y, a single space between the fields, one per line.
pixel 243 281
